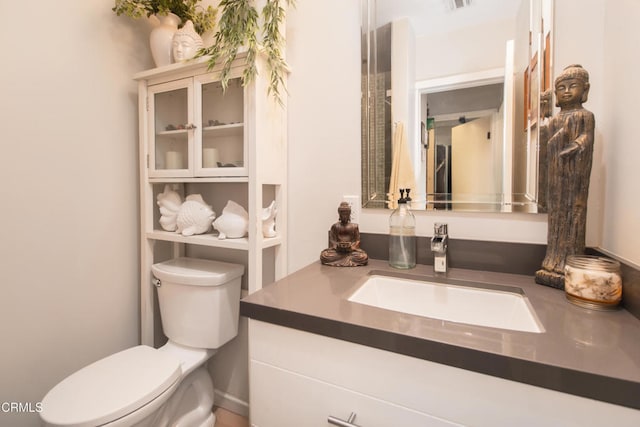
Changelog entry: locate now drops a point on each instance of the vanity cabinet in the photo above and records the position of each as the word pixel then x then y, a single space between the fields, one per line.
pixel 300 378
pixel 226 145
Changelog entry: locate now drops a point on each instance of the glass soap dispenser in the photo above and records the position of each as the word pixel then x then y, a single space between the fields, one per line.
pixel 402 235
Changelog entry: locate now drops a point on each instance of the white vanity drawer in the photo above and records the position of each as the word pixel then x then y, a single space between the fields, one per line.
pixel 281 398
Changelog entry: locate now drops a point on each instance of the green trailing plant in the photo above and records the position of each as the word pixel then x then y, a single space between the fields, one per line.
pixel 187 10
pixel 273 14
pixel 238 27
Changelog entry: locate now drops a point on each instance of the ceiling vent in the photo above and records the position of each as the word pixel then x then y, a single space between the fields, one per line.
pixel 458 4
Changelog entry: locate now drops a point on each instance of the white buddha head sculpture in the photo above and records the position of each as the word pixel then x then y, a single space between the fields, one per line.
pixel 186 43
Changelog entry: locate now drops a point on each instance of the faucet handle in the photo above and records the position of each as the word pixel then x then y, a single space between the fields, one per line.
pixel 440 229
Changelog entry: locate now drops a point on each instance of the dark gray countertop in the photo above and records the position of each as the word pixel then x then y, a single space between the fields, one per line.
pixel 588 353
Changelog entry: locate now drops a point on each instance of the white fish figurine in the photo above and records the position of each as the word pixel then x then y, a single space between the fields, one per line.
pixel 194 216
pixel 233 223
pixel 269 220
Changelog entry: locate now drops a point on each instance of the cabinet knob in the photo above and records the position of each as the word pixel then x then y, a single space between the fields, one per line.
pixel 342 423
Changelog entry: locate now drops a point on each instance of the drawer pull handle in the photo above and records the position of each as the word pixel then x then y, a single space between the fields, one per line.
pixel 342 423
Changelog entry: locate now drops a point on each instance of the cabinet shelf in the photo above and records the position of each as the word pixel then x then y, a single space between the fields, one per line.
pixel 210 239
pixel 171 132
pixel 208 179
pixel 224 130
pixel 217 130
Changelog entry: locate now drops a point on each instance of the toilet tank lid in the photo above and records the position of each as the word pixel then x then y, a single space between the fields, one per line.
pixel 111 387
pixel 196 271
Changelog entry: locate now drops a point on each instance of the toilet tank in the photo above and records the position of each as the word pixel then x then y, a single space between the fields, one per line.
pixel 199 300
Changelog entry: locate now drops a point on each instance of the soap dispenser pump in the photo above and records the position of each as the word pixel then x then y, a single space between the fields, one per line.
pixel 402 235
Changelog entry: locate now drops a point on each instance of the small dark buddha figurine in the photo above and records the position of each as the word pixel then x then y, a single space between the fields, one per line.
pixel 569 153
pixel 344 242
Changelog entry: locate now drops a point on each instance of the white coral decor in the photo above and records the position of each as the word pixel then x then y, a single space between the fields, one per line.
pixel 169 202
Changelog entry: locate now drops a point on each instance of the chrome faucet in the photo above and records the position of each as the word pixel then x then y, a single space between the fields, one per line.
pixel 439 243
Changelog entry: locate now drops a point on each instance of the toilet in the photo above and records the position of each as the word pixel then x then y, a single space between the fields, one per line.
pixel 143 386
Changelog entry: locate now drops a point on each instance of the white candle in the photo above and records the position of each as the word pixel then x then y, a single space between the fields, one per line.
pixel 210 157
pixel 173 160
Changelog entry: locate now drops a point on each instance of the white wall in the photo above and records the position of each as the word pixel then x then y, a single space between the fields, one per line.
pixel 324 120
pixel 69 239
pixel 451 52
pixel 403 78
pixel 621 129
pixel 602 40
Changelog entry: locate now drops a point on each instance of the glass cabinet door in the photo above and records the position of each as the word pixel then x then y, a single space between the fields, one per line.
pixel 220 141
pixel 171 129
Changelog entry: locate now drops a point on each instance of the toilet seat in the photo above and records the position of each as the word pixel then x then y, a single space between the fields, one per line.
pixel 111 387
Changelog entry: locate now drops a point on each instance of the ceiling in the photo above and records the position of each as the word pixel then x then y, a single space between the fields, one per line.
pixel 435 16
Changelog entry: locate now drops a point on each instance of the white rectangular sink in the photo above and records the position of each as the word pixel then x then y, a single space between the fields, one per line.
pixel 464 304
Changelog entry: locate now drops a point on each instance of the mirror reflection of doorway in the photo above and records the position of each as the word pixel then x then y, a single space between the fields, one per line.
pixel 449 113
pixel 471 159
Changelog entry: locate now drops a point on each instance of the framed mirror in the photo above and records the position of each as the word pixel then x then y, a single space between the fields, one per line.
pixel 450 102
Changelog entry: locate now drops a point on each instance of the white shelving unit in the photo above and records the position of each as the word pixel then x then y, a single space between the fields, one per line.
pixel 227 145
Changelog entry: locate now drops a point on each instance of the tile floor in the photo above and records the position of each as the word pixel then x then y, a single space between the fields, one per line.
pixel 226 418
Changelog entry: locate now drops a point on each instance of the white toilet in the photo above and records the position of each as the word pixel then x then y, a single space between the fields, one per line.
pixel 170 386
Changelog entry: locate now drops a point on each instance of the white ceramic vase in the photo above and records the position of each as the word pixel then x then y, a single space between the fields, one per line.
pixel 161 38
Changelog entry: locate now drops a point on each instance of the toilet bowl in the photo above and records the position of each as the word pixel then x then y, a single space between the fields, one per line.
pixel 143 386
